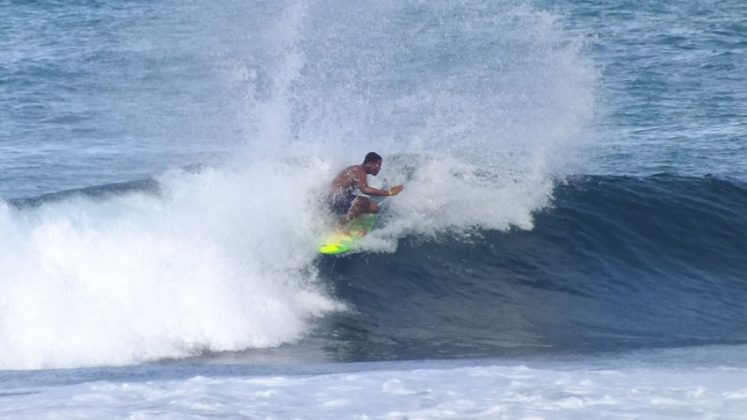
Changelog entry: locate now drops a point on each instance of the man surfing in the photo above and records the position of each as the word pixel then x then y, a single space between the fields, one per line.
pixel 342 198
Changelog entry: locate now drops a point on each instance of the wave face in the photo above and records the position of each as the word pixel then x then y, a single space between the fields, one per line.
pixel 613 263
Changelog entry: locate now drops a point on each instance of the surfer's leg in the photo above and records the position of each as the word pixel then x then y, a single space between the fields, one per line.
pixel 358 206
pixel 361 205
pixel 351 209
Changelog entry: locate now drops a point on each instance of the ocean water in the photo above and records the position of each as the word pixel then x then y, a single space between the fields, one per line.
pixel 570 244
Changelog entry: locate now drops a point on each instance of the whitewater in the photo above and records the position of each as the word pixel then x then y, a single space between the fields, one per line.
pixel 570 242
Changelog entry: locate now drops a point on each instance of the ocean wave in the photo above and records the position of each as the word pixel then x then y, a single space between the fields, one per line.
pixel 613 262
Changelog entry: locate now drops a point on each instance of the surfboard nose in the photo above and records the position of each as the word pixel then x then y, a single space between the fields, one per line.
pixel 331 249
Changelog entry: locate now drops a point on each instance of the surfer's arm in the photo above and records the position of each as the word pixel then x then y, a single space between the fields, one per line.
pixel 374 191
pixel 365 189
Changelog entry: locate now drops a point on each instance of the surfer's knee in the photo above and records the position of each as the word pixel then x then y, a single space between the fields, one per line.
pixel 360 202
pixel 373 207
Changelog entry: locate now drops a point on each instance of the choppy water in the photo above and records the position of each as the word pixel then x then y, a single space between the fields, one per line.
pixel 573 222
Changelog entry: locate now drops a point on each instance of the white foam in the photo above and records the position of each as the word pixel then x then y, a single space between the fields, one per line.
pixel 220 262
pixel 400 391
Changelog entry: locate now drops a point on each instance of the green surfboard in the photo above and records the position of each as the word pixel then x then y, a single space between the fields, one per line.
pixel 348 239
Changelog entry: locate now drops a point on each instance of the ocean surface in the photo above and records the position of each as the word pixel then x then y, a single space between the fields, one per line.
pixel 571 241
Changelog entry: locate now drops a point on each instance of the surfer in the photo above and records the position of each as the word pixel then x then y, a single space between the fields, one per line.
pixel 342 198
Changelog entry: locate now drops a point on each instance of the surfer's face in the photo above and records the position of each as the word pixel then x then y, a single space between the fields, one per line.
pixel 374 168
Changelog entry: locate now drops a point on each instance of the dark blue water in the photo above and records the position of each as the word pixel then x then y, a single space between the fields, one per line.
pixel 616 262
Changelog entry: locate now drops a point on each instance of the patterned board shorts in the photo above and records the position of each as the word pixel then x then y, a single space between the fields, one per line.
pixel 341 204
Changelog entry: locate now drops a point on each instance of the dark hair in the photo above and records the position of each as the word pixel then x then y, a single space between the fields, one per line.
pixel 371 157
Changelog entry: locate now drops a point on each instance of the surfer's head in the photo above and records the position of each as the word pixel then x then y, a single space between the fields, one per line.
pixel 372 163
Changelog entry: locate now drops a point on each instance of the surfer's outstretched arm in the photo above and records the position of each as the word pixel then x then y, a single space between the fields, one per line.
pixel 368 190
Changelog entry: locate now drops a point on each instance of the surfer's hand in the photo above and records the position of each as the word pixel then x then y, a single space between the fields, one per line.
pixel 396 189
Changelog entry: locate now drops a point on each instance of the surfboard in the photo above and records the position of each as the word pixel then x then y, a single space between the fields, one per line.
pixel 348 239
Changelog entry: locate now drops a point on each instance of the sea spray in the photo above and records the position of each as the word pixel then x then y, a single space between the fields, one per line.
pixel 478 128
